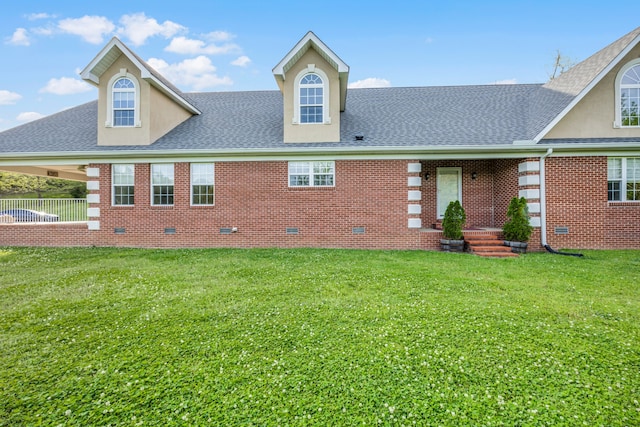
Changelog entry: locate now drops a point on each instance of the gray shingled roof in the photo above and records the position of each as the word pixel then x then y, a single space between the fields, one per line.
pixel 242 122
pixel 387 117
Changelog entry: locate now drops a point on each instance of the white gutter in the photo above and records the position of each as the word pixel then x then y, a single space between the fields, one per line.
pixel 543 199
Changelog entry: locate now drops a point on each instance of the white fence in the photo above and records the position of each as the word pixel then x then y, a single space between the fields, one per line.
pixel 66 209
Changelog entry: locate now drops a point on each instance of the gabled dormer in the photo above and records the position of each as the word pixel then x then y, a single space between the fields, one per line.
pixel 136 105
pixel 313 81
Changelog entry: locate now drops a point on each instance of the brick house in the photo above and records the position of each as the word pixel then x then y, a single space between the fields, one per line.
pixel 315 164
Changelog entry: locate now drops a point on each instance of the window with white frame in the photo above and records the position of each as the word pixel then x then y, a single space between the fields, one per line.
pixel 623 177
pixel 311 99
pixel 311 174
pixel 122 182
pixel 123 102
pixel 628 95
pixel 202 184
pixel 162 184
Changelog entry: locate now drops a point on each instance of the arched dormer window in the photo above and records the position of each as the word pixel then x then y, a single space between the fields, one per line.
pixel 312 97
pixel 123 101
pixel 628 95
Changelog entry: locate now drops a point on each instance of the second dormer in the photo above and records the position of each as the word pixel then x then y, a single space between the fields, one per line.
pixel 313 81
pixel 136 106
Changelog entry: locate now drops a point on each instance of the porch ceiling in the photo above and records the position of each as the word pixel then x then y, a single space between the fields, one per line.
pixel 71 172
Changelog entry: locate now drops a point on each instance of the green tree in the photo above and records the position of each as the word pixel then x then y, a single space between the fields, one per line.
pixel 17 183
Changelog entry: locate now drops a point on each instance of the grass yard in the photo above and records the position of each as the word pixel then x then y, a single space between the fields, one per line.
pixel 101 336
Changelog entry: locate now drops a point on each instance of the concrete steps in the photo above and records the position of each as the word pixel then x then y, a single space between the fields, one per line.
pixel 488 245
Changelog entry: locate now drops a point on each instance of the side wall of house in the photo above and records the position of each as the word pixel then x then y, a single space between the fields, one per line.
pixel 255 199
pixel 578 213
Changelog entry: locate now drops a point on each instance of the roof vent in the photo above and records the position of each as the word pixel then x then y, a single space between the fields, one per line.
pixel 359 136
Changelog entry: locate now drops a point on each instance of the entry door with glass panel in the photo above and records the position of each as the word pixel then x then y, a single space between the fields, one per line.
pixel 449 188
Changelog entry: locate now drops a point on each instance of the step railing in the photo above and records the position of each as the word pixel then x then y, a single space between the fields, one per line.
pixel 67 210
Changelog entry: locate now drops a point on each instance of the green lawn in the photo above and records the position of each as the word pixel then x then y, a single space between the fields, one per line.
pixel 317 337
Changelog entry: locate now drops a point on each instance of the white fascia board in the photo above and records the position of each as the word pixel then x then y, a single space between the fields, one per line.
pixel 278 70
pixel 87 75
pixel 318 153
pixel 588 88
pixel 86 72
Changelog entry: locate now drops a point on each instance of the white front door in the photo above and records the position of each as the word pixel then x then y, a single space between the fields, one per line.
pixel 449 183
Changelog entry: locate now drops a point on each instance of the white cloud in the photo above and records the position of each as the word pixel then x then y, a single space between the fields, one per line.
pixel 43 31
pixel 506 82
pixel 8 98
pixel 138 28
pixel 65 86
pixel 219 36
pixel 91 28
pixel 36 16
pixel 185 46
pixel 198 73
pixel 20 37
pixel 369 83
pixel 29 116
pixel 242 61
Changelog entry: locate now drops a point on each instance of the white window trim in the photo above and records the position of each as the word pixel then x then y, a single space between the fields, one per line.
pixel 618 96
pixel 191 184
pixel 623 180
pixel 326 118
pixel 123 74
pixel 113 184
pixel 152 184
pixel 311 174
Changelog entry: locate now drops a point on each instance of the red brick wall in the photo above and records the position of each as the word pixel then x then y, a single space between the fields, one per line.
pixel 505 186
pixel 577 199
pixel 32 234
pixel 255 198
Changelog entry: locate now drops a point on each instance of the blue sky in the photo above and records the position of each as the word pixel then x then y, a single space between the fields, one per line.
pixel 233 45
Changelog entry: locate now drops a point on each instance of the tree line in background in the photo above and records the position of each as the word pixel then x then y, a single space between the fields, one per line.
pixel 17 184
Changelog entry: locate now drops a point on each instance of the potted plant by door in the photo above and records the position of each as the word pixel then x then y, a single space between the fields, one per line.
pixel 517 229
pixel 452 223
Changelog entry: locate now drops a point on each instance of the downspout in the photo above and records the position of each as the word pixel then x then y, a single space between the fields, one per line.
pixel 543 209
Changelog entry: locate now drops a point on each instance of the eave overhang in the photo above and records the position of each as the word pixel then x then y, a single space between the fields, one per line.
pixel 333 152
pixel 110 53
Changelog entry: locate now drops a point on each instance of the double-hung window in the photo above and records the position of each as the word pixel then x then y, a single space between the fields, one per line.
pixel 122 181
pixel 623 176
pixel 162 184
pixel 124 102
pixel 312 174
pixel 311 99
pixel 202 184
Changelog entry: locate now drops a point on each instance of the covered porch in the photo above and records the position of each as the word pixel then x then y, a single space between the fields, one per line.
pixel 484 187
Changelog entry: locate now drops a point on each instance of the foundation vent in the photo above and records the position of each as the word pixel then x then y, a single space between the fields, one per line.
pixel 226 230
pixel 169 231
pixel 119 230
pixel 357 230
pixel 292 230
pixel 561 230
